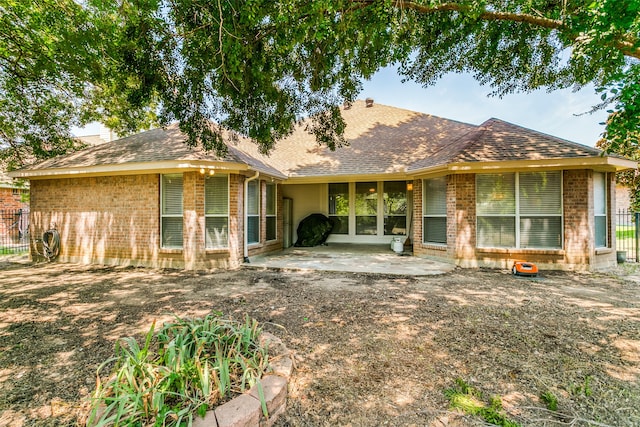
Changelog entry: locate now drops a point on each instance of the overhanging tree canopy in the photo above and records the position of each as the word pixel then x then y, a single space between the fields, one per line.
pixel 256 67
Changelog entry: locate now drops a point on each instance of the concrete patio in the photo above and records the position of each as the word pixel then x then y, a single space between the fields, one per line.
pixel 350 258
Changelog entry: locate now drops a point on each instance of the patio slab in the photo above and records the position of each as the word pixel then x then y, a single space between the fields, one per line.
pixel 351 258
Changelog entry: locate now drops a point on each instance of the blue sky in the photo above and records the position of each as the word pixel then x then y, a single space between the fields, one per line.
pixel 562 113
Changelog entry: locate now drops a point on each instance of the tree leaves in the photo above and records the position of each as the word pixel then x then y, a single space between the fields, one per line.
pixel 258 67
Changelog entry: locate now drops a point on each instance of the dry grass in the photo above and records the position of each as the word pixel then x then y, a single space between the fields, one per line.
pixel 369 350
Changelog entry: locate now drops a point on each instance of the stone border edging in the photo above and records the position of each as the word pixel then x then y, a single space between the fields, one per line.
pixel 246 410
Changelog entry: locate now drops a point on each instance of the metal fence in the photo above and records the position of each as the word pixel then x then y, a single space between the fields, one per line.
pixel 14 231
pixel 627 233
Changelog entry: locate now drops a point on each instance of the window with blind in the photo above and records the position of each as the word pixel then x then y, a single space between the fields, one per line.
pixel 171 211
pixel 339 207
pixel 271 209
pixel 434 210
pixel 253 212
pixel 216 211
pixel 600 208
pixel 519 210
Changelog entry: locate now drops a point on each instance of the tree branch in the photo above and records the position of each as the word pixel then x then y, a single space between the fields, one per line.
pixel 626 46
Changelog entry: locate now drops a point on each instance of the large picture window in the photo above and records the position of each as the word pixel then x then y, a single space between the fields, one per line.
pixel 216 206
pixel 339 207
pixel 519 210
pixel 600 208
pixel 253 212
pixel 271 209
pixel 395 208
pixel 171 211
pixel 434 220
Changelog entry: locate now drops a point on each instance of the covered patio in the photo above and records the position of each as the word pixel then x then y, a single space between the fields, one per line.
pixel 349 257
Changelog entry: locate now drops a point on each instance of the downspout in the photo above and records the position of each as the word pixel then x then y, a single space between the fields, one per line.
pixel 246 216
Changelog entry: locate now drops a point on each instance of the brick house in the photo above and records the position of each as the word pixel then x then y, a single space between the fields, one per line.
pixel 472 195
pixel 12 193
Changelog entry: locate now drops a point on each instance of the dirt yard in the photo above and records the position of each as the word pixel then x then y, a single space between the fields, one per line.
pixel 369 349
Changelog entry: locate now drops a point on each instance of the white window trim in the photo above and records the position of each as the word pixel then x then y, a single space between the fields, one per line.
pixel 206 215
pixel 517 214
pixel 162 215
pixel 275 208
pixel 250 215
pixel 424 209
pixel 606 214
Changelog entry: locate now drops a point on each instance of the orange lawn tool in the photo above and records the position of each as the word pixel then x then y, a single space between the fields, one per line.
pixel 524 268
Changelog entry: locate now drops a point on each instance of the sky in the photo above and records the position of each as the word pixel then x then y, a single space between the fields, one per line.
pixel 561 113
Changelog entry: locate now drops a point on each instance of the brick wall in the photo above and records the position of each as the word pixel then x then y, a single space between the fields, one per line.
pixel 578 247
pixel 110 220
pixel 578 216
pixel 10 198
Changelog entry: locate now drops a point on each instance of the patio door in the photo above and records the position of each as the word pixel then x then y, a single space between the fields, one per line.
pixel 368 211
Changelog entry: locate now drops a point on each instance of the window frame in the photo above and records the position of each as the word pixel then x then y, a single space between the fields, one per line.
pixel 426 215
pixel 216 215
pixel 271 215
pixel 253 216
pixel 164 215
pixel 518 214
pixel 605 215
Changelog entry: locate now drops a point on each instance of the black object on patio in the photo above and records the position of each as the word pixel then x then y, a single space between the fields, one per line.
pixel 313 230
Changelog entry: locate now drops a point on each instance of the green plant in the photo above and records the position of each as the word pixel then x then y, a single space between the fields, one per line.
pixel 584 388
pixel 469 400
pixel 550 400
pixel 198 363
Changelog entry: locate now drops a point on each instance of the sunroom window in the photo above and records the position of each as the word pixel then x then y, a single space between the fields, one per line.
pixel 519 210
pixel 216 205
pixel 339 207
pixel 395 207
pixel 367 208
pixel 171 211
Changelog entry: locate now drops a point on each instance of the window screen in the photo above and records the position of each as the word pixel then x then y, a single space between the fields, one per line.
pixel 171 211
pixel 434 219
pixel 519 210
pixel 216 202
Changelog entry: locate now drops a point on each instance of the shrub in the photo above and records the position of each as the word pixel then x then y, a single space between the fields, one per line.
pixel 198 364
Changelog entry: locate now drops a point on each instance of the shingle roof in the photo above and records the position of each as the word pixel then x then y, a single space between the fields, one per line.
pixel 381 139
pixel 155 145
pixel 497 140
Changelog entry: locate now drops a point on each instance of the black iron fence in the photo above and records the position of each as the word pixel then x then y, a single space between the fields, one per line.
pixel 14 231
pixel 627 233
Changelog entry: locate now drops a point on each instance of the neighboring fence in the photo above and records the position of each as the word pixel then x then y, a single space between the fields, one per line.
pixel 14 231
pixel 627 230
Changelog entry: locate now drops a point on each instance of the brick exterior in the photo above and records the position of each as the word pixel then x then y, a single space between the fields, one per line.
pixel 578 252
pixel 10 198
pixel 116 220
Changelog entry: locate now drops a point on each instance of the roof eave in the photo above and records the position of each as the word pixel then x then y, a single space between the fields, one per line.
pixel 168 166
pixel 604 163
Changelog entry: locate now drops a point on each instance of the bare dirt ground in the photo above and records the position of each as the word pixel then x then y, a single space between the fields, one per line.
pixel 369 349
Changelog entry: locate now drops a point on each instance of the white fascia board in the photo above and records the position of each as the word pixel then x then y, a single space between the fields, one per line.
pixel 604 163
pixel 129 169
pixel 321 179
